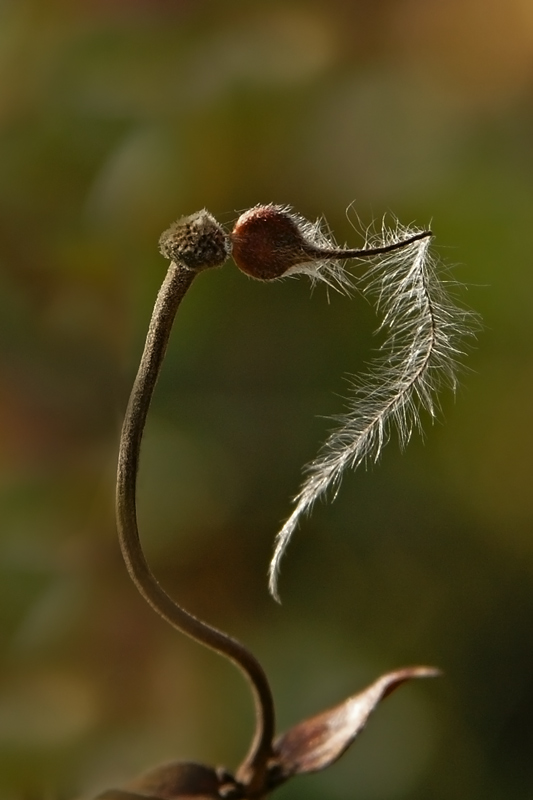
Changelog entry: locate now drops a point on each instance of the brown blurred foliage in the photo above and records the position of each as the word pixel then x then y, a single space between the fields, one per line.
pixel 115 118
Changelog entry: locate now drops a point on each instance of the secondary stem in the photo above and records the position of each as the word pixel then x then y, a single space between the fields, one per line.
pixel 345 253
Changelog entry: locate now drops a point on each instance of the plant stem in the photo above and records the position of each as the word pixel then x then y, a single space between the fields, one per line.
pixel 177 281
pixel 345 253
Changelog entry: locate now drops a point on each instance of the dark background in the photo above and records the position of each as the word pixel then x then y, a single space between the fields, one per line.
pixel 117 117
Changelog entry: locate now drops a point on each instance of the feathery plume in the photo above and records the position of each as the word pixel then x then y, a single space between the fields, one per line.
pixel 420 355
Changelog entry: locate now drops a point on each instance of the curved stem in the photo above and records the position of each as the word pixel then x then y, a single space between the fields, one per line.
pixel 343 253
pixel 173 289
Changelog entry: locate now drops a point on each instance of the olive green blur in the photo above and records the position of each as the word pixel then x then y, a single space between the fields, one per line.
pixel 116 118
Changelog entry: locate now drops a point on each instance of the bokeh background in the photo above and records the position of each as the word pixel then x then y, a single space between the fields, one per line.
pixel 117 117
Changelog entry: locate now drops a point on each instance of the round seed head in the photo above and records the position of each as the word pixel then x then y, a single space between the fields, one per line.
pixel 196 241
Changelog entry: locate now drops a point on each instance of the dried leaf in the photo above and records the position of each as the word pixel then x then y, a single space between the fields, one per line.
pixel 120 794
pixel 178 780
pixel 317 742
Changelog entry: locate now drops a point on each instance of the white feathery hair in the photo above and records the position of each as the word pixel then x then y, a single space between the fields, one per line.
pixel 330 271
pixel 424 329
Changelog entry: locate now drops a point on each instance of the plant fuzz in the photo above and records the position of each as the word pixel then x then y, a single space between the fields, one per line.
pixel 419 356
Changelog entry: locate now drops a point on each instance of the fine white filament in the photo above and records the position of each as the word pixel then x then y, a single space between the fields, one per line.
pixel 423 329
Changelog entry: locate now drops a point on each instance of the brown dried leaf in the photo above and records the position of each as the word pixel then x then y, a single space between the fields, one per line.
pixel 120 794
pixel 317 742
pixel 178 780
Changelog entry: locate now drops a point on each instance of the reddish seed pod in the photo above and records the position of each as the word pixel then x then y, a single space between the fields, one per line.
pixel 268 241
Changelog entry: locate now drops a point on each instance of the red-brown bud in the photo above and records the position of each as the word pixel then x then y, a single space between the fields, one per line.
pixel 269 240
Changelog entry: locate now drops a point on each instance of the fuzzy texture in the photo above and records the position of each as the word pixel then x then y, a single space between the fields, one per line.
pixel 420 355
pixel 196 242
pixel 274 241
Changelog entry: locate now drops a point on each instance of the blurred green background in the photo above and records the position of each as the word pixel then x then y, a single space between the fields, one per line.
pixel 117 116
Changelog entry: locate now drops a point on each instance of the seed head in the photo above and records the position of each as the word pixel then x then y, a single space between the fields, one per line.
pixel 196 241
pixel 270 241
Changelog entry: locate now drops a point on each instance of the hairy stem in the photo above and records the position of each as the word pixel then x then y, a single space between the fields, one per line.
pixel 177 281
